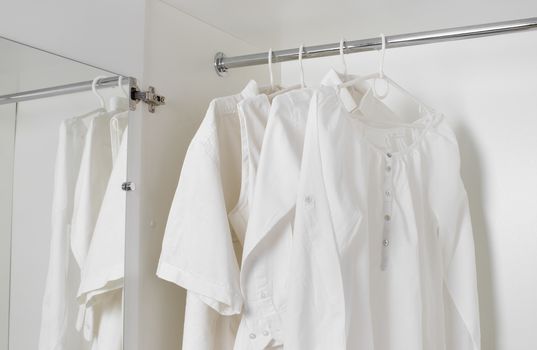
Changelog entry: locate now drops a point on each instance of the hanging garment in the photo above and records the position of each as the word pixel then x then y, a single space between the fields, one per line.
pixel 199 250
pixel 101 287
pixel 103 270
pixel 94 173
pixel 269 234
pixel 107 317
pixel 58 316
pixel 253 115
pixel 383 253
pixel 92 180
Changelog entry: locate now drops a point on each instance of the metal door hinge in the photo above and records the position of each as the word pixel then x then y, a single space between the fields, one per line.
pixel 150 97
pixel 128 186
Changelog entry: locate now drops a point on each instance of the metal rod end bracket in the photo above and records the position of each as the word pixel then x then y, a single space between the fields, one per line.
pixel 219 66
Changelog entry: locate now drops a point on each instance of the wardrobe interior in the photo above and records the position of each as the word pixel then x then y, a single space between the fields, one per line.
pixel 484 86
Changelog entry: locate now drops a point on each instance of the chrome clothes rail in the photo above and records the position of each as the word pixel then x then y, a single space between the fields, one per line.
pixel 222 63
pixel 63 89
pixel 150 97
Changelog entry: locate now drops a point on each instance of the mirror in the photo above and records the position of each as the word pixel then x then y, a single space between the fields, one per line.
pixel 62 209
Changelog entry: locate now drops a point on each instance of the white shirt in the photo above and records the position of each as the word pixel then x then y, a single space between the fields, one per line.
pixel 383 254
pixel 253 115
pixel 103 270
pixel 83 166
pixel 199 250
pixel 58 315
pixel 101 286
pixel 269 234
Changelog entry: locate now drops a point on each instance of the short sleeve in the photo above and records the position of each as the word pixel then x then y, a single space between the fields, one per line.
pixel 450 205
pixel 197 251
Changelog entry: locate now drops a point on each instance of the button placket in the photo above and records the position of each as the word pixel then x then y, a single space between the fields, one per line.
pixel 387 210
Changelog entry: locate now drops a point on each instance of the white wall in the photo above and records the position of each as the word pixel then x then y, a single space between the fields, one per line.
pixel 106 34
pixel 7 143
pixel 178 61
pixel 282 24
pixel 486 87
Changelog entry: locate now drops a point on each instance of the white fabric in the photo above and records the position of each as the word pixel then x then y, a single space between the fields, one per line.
pixel 82 176
pixel 253 115
pixel 383 254
pixel 104 266
pixel 199 251
pixel 201 330
pixel 58 315
pixel 93 178
pixel 268 238
pixel 108 321
pixel 101 287
pixel 91 183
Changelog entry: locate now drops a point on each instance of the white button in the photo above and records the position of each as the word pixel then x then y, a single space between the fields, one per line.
pixel 388 168
pixel 263 294
pixel 388 193
pixel 389 155
pixel 265 333
pixel 252 336
pixel 387 217
pixel 385 242
pixel 308 199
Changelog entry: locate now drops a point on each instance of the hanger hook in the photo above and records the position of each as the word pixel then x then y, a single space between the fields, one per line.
pixel 94 89
pixel 381 70
pixel 342 55
pixel 300 52
pixel 382 53
pixel 270 69
pixel 120 85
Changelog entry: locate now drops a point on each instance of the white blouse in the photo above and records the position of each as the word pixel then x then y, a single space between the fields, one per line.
pixel 200 247
pixel 383 253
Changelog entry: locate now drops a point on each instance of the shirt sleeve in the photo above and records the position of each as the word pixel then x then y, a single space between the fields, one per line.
pixel 197 251
pixel 205 329
pixel 450 204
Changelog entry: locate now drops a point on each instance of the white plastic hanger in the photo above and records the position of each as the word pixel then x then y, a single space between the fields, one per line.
pixel 277 90
pixel 271 75
pixel 381 76
pixel 96 93
pixel 300 52
pixel 342 56
pixel 119 103
pixel 118 106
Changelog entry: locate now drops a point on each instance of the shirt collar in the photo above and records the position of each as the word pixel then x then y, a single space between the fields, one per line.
pixel 333 78
pixel 250 90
